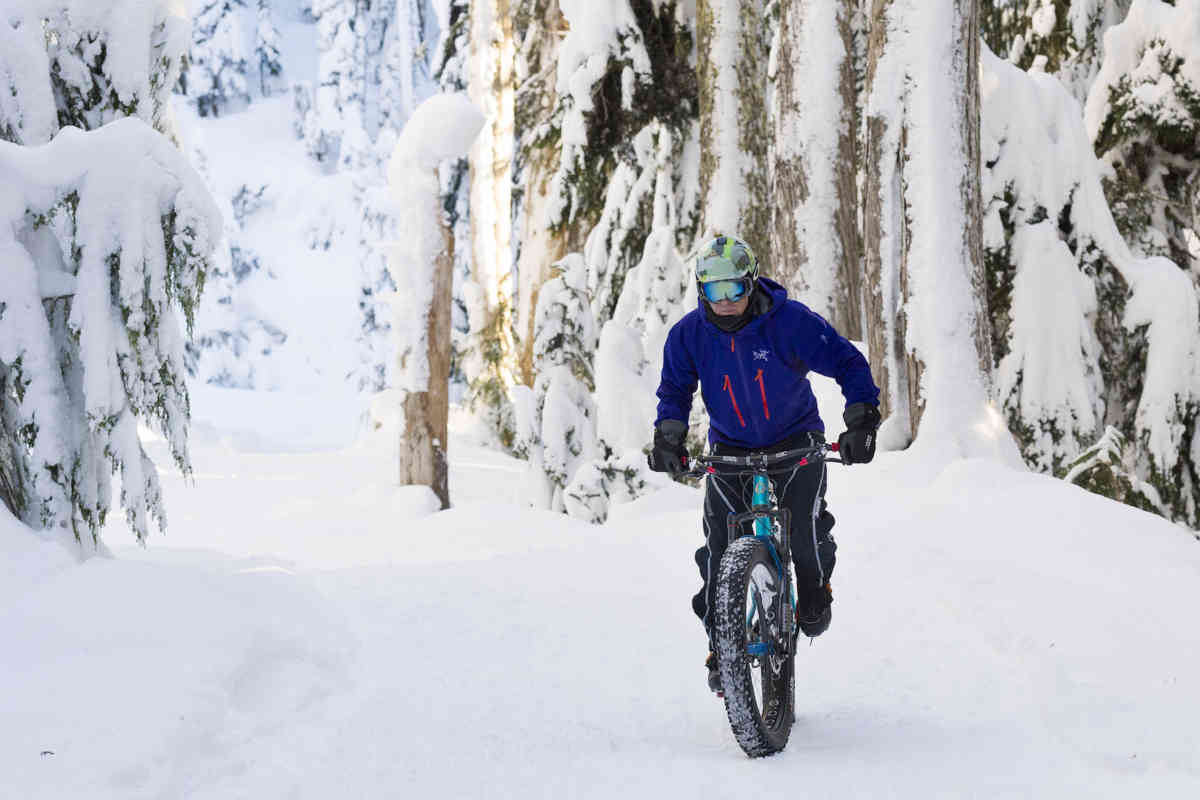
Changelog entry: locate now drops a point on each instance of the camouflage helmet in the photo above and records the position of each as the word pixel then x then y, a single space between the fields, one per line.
pixel 724 262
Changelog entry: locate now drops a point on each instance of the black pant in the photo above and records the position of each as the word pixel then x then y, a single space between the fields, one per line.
pixel 801 489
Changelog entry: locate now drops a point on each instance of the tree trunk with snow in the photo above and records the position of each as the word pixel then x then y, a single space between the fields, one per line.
pixel 929 331
pixel 491 361
pixel 539 27
pixel 731 66
pixel 421 264
pixel 424 434
pixel 815 241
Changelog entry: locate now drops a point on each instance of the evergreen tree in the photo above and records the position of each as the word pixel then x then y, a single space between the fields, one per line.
pixel 1087 335
pixel 562 433
pixel 266 51
pixel 606 140
pixel 372 69
pixel 107 243
pixel 223 354
pixel 1062 37
pixel 217 74
pixel 1143 114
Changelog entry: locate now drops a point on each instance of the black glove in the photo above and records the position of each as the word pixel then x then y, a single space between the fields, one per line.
pixel 857 444
pixel 668 453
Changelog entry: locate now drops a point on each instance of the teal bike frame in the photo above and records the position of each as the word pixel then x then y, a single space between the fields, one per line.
pixel 768 519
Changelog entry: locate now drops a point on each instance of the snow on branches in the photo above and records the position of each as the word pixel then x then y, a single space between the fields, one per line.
pixel 107 236
pixel 1087 333
pixel 85 63
pixel 1143 116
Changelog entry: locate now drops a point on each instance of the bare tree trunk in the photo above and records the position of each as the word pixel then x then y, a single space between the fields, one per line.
pixel 733 122
pixel 815 246
pixel 423 433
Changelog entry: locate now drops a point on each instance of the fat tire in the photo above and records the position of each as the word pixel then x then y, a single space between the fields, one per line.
pixel 756 736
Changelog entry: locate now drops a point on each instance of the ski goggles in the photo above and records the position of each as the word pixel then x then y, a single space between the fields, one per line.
pixel 735 289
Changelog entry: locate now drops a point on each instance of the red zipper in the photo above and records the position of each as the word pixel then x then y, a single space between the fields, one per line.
pixel 763 391
pixel 729 388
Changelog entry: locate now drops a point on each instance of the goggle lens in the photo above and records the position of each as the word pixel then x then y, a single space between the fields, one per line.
pixel 716 291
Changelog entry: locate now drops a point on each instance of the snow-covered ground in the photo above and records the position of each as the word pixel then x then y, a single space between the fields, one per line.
pixel 308 630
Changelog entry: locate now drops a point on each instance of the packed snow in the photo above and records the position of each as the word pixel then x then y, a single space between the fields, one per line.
pixel 308 629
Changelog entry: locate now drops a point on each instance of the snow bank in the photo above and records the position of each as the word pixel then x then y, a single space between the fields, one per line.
pixel 135 677
pixel 1028 671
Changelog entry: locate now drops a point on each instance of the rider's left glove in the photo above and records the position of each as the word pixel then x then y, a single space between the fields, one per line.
pixel 669 453
pixel 857 444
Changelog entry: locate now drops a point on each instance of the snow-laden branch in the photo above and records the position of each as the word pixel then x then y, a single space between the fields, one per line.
pixel 107 233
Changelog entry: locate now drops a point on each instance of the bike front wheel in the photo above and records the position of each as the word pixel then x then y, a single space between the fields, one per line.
pixel 754 649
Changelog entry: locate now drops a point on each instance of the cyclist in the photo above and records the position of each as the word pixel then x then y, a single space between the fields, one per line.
pixel 750 348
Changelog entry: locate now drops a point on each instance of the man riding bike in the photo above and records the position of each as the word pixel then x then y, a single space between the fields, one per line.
pixel 750 349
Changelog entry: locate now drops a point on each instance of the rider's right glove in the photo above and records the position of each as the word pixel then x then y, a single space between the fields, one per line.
pixel 857 444
pixel 669 453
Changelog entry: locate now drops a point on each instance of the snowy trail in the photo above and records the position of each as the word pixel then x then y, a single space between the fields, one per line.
pixel 996 634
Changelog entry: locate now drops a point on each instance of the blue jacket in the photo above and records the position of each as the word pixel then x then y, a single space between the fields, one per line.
pixel 754 381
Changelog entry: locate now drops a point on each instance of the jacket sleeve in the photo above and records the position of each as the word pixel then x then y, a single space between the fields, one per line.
pixel 677 385
pixel 824 350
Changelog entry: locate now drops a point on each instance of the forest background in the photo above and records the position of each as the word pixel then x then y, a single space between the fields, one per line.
pixel 1021 236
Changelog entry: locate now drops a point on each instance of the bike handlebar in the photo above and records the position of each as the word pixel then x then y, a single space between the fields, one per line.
pixel 706 464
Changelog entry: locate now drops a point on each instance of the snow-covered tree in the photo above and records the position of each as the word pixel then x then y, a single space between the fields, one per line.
pixel 814 164
pixel 450 73
pixel 1102 469
pixel 656 293
pixel 731 65
pixel 374 65
pixel 561 433
pixel 227 350
pixel 1143 115
pixel 86 63
pixel 106 235
pixel 607 154
pixel 371 54
pixel 1087 334
pixel 615 80
pixel 1063 37
pixel 266 51
pixel 538 240
pixel 421 264
pixel 489 360
pixel 928 326
pixel 217 78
